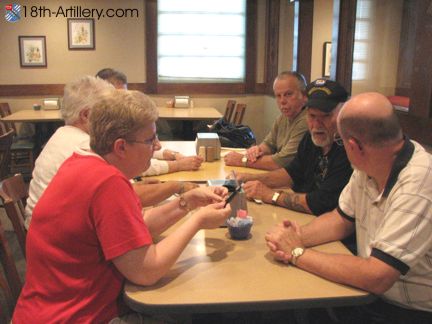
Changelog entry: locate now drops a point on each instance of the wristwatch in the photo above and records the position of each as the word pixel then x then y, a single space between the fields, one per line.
pixel 275 197
pixel 183 203
pixel 244 160
pixel 296 253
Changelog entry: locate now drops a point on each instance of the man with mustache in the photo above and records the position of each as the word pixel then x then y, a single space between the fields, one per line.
pixel 320 169
pixel 280 145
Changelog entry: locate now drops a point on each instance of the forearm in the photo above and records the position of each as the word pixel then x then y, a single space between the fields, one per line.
pixel 173 166
pixel 264 162
pixel 265 149
pixel 275 179
pixel 146 265
pixel 294 201
pixel 152 194
pixel 349 270
pixel 158 219
pixel 337 228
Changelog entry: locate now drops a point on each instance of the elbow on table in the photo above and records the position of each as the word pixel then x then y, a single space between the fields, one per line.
pixel 380 284
pixel 144 279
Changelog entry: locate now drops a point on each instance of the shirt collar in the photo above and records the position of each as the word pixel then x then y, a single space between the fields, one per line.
pixel 402 159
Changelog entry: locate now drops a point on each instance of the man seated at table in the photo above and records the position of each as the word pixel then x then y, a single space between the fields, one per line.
pixel 88 233
pixel 320 168
pixel 79 98
pixel 280 145
pixel 164 160
pixel 388 201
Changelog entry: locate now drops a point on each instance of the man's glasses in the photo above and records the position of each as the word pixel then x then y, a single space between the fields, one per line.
pixel 322 168
pixel 151 141
pixel 337 139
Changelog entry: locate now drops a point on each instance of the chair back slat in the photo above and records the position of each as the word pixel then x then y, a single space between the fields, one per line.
pixel 229 110
pixel 14 193
pixel 239 114
pixel 12 285
pixel 6 111
pixel 5 146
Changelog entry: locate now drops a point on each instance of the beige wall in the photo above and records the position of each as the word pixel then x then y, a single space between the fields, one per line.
pixel 322 32
pixel 119 44
pixel 286 36
pixel 383 48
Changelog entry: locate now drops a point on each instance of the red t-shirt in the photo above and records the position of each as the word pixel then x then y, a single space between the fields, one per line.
pixel 87 216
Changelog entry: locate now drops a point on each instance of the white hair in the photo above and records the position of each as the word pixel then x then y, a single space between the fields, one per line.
pixel 81 94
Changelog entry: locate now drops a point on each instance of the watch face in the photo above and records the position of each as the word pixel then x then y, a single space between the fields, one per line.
pixel 244 159
pixel 297 251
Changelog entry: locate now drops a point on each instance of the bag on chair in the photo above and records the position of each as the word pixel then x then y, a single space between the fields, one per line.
pixel 230 135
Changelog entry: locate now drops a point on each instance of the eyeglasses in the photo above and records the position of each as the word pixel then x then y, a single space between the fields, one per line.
pixel 338 140
pixel 322 169
pixel 151 141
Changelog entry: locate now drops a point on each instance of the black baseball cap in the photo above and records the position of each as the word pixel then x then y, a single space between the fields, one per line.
pixel 324 94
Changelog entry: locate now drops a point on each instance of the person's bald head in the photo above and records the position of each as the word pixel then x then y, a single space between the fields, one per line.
pixel 370 118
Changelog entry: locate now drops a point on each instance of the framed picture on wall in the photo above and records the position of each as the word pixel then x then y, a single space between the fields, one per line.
pixel 327 48
pixel 32 50
pixel 81 34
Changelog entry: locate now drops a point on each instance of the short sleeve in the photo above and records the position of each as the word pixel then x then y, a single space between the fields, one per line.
pixel 270 139
pixel 157 167
pixel 406 232
pixel 289 150
pixel 117 217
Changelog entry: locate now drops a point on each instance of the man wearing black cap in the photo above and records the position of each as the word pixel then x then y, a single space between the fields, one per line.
pixel 320 169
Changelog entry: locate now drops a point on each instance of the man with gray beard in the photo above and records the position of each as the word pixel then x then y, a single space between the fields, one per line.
pixel 320 170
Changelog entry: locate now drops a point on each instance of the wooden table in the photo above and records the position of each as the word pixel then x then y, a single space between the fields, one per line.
pixel 208 170
pixel 34 116
pixel 41 116
pixel 218 274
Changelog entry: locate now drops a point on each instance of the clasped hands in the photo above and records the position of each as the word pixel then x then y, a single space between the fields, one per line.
pixel 282 239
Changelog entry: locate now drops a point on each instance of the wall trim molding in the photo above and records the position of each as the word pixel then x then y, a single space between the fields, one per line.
pixel 31 90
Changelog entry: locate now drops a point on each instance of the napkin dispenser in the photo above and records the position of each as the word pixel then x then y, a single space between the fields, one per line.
pixel 51 104
pixel 181 101
pixel 208 146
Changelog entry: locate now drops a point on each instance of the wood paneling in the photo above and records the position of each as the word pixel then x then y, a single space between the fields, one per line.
pixel 151 45
pixel 272 44
pixel 251 45
pixel 421 80
pixel 344 17
pixel 305 31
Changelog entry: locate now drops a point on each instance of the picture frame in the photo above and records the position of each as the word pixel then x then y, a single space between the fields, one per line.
pixel 32 51
pixel 327 49
pixel 81 34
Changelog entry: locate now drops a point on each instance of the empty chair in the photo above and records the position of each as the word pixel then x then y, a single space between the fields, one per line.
pixel 5 147
pixel 22 150
pixel 239 114
pixel 14 193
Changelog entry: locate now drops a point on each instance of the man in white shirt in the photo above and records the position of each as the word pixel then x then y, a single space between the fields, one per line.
pixel 79 98
pixel 164 160
pixel 388 202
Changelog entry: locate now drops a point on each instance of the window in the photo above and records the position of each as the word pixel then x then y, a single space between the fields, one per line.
pixel 361 40
pixel 201 41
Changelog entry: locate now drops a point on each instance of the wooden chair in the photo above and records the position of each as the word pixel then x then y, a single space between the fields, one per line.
pixel 22 156
pixel 239 114
pixel 5 147
pixel 14 193
pixel 10 282
pixel 229 110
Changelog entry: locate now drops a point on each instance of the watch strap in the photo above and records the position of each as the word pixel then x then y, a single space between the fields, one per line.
pixel 275 197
